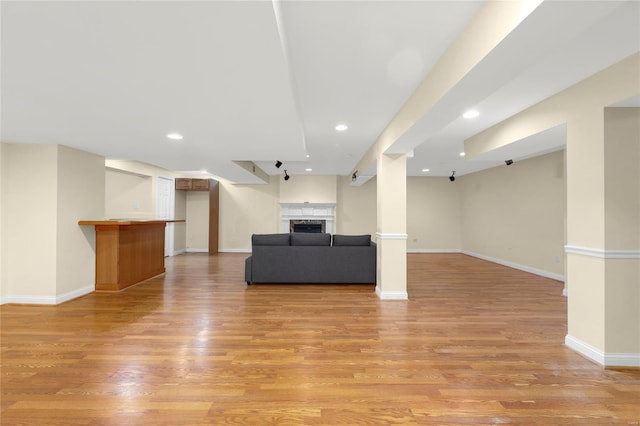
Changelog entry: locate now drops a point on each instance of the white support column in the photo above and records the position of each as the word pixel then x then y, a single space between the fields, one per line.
pixel 392 227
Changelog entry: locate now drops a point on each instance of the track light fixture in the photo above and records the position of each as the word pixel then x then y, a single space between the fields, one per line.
pixel 508 162
pixel 286 176
pixel 452 177
pixel 354 176
pixel 278 164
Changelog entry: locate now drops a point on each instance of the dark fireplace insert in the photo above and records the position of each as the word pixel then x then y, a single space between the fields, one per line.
pixel 309 226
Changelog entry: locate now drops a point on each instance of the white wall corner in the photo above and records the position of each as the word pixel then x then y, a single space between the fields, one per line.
pixel 600 357
pixel 391 295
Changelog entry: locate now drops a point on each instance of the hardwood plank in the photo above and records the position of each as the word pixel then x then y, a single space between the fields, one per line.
pixel 477 343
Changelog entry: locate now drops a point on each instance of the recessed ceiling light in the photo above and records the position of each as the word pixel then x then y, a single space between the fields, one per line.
pixel 341 127
pixel 175 136
pixel 425 170
pixel 308 156
pixel 462 154
pixel 308 170
pixel 472 113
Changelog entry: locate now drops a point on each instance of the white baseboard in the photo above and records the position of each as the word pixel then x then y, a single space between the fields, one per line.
pixel 391 295
pixel 47 300
pixel 177 252
pixel 434 250
pixel 240 250
pixel 602 358
pixel 75 293
pixel 197 250
pixel 564 292
pixel 524 268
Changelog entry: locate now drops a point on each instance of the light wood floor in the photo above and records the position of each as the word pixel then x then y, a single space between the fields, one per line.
pixel 477 343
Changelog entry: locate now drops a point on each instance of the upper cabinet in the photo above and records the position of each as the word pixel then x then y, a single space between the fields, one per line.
pixel 189 184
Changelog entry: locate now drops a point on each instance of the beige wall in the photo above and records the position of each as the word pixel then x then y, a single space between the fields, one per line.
pixel 516 213
pixel 356 207
pixel 433 214
pixel 197 229
pixel 3 227
pixel 128 195
pixel 622 228
pixel 31 220
pixel 305 188
pixel 46 190
pixel 246 210
pixel 81 183
pixel 622 178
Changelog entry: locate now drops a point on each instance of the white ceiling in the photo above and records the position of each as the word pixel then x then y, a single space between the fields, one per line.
pixel 261 81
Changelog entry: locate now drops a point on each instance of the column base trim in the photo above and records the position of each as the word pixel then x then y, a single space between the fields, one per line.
pixel 602 253
pixel 391 295
pixel 385 236
pixel 602 358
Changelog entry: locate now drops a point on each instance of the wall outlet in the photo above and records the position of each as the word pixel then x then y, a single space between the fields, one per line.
pixel 557 259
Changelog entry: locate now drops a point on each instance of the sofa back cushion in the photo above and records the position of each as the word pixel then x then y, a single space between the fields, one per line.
pixel 270 239
pixel 310 239
pixel 351 240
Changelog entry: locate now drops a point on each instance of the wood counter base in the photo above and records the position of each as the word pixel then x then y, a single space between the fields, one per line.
pixel 127 252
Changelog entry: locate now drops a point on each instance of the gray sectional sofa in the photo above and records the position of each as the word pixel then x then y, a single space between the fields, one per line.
pixel 311 258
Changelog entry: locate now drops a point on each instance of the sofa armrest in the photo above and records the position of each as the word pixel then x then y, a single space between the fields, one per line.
pixel 247 270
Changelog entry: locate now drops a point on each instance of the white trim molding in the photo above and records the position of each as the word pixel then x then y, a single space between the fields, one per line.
pixel 386 236
pixel 48 300
pixel 391 295
pixel 197 250
pixel 602 358
pixel 602 253
pixel 235 250
pixel 434 250
pixel 524 268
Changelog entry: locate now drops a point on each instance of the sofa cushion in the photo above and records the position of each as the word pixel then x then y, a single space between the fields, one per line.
pixel 351 240
pixel 270 239
pixel 310 239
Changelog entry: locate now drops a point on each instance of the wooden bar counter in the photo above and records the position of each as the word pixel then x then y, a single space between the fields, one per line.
pixel 127 251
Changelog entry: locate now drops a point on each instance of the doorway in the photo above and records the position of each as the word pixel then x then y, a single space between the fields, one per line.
pixel 165 209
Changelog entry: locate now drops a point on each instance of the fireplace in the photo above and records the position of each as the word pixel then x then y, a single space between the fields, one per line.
pixel 309 226
pixel 308 216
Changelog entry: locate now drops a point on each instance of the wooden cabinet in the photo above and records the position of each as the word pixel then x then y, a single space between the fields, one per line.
pixel 188 184
pixel 184 183
pixel 200 184
pixel 213 187
pixel 127 252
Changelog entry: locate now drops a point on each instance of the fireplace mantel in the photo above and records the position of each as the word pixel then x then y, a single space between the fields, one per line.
pixel 307 211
